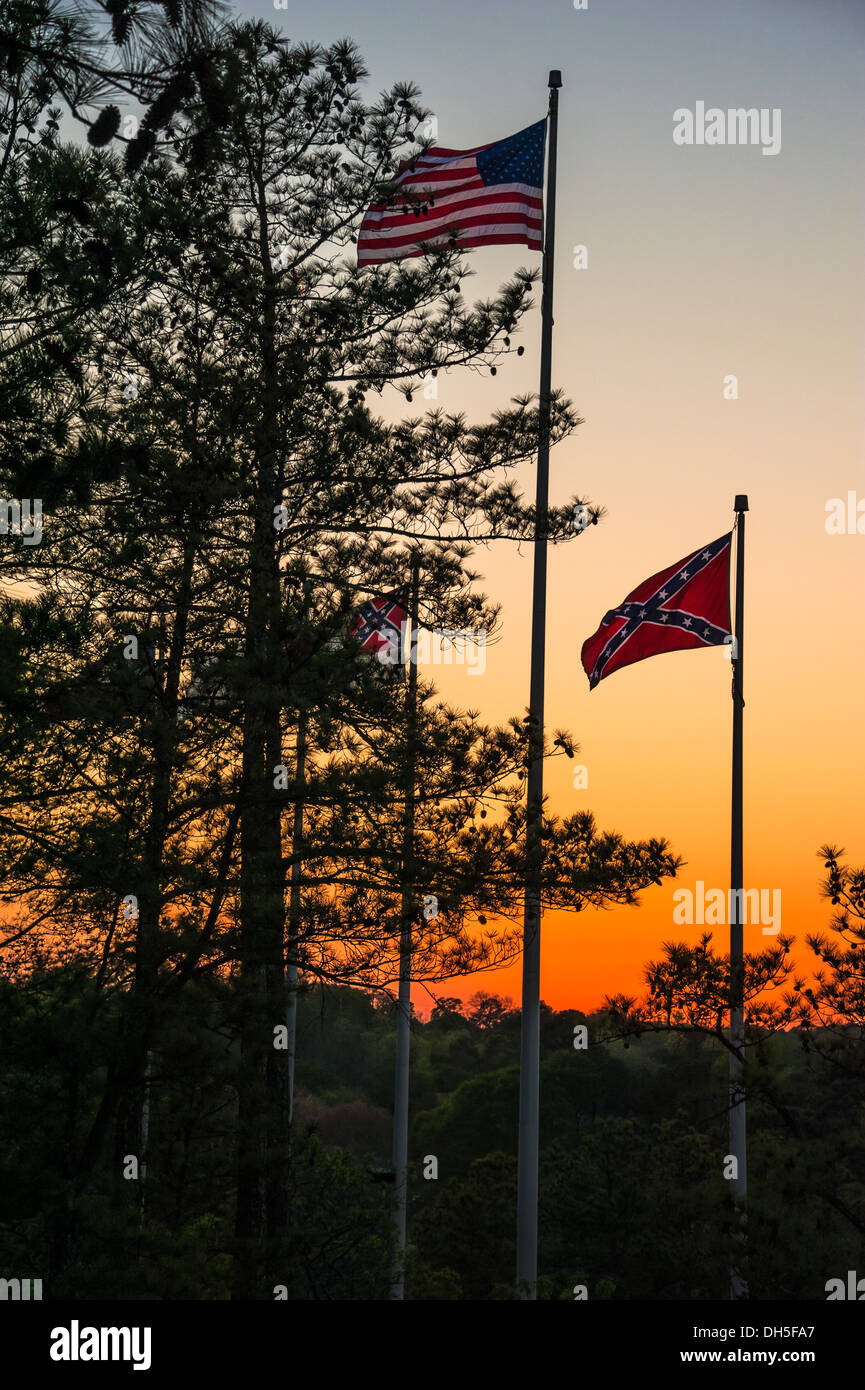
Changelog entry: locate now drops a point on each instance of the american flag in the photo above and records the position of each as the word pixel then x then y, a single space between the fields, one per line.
pixel 491 195
pixel 378 625
pixel 685 605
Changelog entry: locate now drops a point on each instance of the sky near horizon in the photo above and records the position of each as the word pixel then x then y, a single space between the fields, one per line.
pixel 704 262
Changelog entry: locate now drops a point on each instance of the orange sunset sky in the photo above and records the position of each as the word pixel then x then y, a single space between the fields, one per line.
pixel 703 261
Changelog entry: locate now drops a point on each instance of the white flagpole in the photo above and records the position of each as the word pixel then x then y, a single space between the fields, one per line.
pixel 294 905
pixel 403 1026
pixel 527 1180
pixel 738 1150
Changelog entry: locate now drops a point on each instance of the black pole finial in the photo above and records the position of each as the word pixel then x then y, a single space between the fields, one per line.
pixel 741 502
pixel 555 78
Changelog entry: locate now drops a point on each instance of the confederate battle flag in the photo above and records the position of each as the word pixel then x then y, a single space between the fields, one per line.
pixel 379 625
pixel 686 605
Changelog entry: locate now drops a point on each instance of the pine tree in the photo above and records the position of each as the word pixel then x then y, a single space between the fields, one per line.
pixel 201 429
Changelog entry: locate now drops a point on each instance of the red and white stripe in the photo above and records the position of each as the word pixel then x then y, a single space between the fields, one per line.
pixel 482 215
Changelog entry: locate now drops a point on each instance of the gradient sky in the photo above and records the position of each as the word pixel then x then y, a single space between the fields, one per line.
pixel 703 261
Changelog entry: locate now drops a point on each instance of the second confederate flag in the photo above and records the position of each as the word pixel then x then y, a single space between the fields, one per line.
pixel 379 625
pixel 685 605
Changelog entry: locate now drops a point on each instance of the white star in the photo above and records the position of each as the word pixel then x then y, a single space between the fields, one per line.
pixel 662 594
pixel 687 622
pixel 642 612
pixel 664 617
pixel 684 574
pixel 706 554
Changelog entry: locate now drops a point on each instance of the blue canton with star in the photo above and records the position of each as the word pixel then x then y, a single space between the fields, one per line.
pixel 519 159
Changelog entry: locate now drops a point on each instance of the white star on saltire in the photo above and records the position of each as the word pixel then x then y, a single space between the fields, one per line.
pixel 687 622
pixel 706 554
pixel 662 594
pixel 684 574
pixel 642 612
pixel 664 617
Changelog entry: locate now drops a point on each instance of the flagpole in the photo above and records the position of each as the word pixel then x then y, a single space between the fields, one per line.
pixel 145 1134
pixel 738 1152
pixel 403 1025
pixel 527 1179
pixel 294 903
